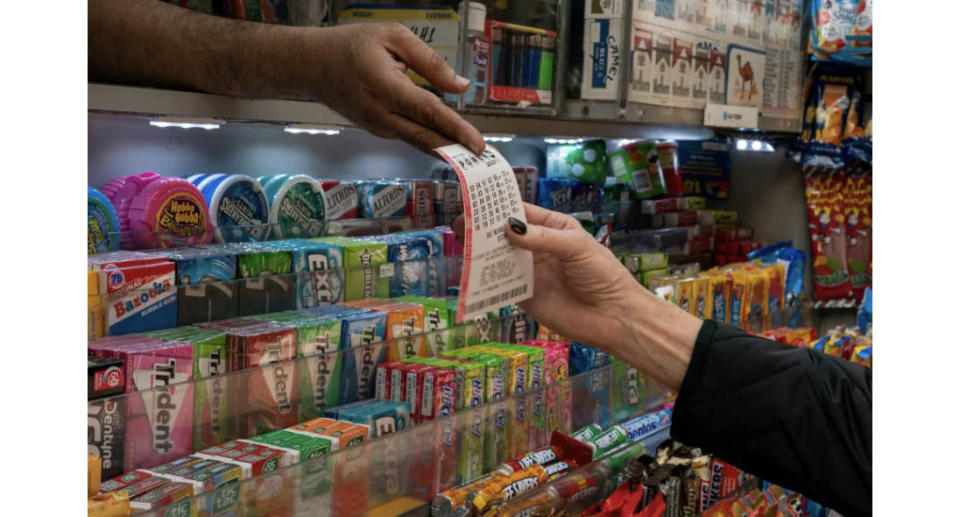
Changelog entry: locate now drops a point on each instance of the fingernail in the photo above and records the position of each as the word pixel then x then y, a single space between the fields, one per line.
pixel 518 226
pixel 462 82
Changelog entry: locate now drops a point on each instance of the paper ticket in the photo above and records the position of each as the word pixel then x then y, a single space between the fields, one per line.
pixel 495 273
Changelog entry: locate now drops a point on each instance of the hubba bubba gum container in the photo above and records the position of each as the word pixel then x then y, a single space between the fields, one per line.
pixel 166 213
pixel 238 208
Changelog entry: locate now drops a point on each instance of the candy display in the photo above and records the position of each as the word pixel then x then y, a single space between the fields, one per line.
pixel 103 223
pixel 237 204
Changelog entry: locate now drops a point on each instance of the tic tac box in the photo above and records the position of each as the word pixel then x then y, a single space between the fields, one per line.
pixel 362 276
pixel 266 283
pixel 253 459
pixel 206 290
pixel 382 417
pixel 270 390
pixel 139 298
pixel 159 423
pixel 363 333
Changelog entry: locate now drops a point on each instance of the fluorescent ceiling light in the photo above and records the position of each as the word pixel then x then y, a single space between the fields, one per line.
pixel 312 129
pixel 562 140
pixel 187 122
pixel 499 137
pixel 741 144
pixel 754 145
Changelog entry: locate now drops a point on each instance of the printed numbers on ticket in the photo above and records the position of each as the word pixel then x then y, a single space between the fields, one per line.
pixel 495 273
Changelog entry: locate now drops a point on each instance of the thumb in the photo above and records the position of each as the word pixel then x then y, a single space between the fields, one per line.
pixel 564 244
pixel 424 61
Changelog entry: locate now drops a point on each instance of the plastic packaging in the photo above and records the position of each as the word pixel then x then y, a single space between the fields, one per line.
pixel 103 223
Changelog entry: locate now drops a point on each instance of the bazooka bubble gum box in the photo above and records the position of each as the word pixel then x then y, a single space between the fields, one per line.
pixel 139 298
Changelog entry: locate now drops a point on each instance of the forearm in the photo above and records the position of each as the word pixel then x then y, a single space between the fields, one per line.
pixel 659 337
pixel 153 43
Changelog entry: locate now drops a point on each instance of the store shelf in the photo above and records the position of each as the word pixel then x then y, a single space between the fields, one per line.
pixel 601 122
pixel 836 304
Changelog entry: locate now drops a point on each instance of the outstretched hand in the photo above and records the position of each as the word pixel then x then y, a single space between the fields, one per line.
pixel 366 82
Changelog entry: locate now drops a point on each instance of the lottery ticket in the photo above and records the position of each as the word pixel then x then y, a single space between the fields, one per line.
pixel 495 273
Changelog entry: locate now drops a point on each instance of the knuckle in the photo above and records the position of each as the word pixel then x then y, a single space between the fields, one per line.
pixel 435 62
pixel 423 139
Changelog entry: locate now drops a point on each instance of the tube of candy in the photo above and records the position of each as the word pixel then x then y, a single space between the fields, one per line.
pixel 584 434
pixel 448 502
pixel 501 489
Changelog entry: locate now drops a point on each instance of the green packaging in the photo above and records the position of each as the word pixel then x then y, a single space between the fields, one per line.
pixel 628 391
pixel 496 434
pixel 319 380
pixel 585 162
pixel 268 285
pixel 636 164
pixel 362 276
pixel 438 322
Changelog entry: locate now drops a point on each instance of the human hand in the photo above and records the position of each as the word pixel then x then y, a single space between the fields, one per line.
pixel 581 290
pixel 363 77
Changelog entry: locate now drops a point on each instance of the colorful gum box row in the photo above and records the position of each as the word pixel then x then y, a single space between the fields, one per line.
pixel 339 348
pixel 140 291
pixel 218 470
pixel 735 294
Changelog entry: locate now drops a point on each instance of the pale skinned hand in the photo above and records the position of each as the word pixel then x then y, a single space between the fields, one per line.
pixel 579 285
pixel 365 81
pixel 582 292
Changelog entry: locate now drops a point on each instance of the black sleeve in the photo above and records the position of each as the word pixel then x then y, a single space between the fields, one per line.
pixel 792 416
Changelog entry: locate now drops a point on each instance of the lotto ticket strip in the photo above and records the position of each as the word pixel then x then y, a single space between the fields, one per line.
pixel 503 274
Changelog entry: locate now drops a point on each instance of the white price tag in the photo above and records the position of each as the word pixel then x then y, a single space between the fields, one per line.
pixel 386 270
pixel 495 273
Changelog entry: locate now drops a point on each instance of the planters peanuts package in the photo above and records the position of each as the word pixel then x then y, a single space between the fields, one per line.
pixel 139 298
pixel 207 290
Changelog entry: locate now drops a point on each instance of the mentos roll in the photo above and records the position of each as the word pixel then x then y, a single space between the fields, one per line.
pixel 555 194
pixel 237 207
pixel 382 198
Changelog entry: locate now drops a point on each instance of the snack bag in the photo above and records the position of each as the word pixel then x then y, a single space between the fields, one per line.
pixel 842 30
pixel 857 210
pixel 737 293
pixel 825 213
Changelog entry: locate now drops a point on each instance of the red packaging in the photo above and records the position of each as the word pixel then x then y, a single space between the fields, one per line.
pixel 672 179
pixel 341 199
pixel 270 398
pixel 699 246
pixel 659 206
pixel 730 478
pixel 530 194
pixel 676 219
pixel 446 450
pixel 858 208
pixel 413 388
pixel 439 393
pixel 352 479
pixel 382 380
pixel 825 214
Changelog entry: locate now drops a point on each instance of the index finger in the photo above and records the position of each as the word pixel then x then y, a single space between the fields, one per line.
pixel 419 105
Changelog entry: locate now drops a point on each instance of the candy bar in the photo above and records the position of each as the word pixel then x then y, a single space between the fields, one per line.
pixel 139 298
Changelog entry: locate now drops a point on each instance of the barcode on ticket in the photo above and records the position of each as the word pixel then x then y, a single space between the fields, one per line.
pixel 497 299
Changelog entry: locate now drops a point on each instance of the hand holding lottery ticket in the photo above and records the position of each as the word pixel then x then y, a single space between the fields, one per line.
pixel 495 273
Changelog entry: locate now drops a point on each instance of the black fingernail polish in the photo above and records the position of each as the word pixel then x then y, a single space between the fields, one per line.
pixel 517 226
